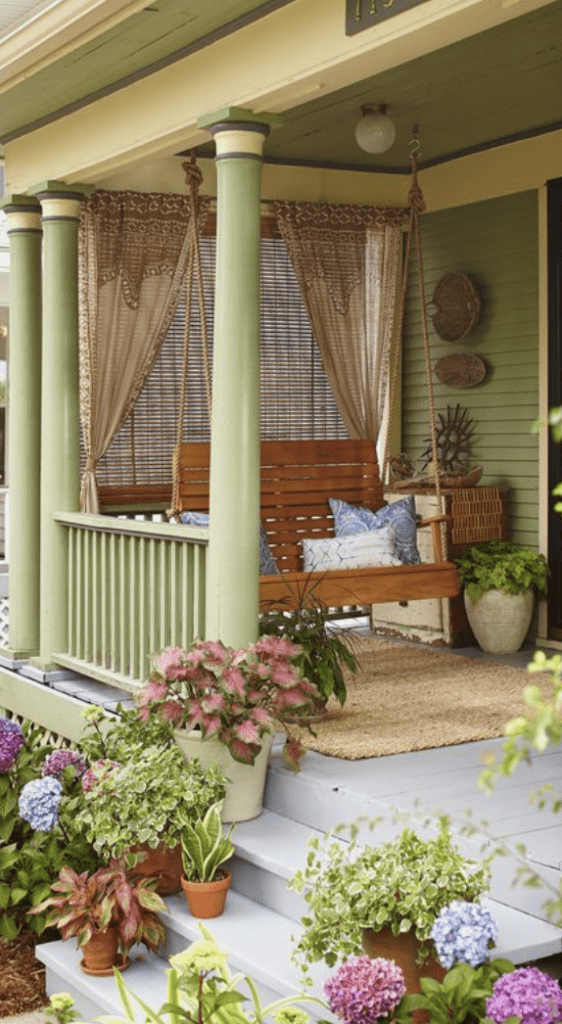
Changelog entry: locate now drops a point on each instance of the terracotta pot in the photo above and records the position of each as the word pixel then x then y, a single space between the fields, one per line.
pixel 403 949
pixel 100 952
pixel 163 863
pixel 206 899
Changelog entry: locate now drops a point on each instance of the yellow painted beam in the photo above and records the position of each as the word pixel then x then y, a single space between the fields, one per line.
pixel 275 63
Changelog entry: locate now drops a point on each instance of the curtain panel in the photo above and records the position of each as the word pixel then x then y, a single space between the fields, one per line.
pixel 133 256
pixel 347 260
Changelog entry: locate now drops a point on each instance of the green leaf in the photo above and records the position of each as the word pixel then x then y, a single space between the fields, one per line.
pixel 8 927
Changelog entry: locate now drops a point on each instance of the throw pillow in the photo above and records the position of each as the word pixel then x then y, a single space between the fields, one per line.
pixel 401 515
pixel 268 565
pixel 359 551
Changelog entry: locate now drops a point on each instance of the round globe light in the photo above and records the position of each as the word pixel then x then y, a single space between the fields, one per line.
pixel 375 132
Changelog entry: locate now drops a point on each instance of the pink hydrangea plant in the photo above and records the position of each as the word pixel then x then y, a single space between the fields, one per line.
pixel 238 696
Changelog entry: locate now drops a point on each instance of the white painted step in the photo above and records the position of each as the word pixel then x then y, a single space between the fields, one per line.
pixel 96 996
pixel 271 848
pixel 257 939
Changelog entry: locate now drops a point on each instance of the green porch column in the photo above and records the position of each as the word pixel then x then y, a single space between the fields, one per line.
pixel 60 427
pixel 233 573
pixel 24 436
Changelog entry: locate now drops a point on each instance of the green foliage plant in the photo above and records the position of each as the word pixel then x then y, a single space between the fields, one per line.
pixel 204 847
pixel 82 904
pixel 323 655
pixel 147 800
pixel 401 884
pixel 502 565
pixel 461 996
pixel 202 990
pixel 30 861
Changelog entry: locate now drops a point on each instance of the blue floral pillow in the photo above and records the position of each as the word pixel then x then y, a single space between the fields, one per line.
pixel 268 565
pixel 401 515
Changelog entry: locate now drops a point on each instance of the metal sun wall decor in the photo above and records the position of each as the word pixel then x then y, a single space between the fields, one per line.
pixel 455 430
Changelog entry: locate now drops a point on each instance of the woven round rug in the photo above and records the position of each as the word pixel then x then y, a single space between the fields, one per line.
pixel 403 698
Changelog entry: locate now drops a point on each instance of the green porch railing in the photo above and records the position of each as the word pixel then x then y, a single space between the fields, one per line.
pixel 133 588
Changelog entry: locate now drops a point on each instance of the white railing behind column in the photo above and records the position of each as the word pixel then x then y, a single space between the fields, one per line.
pixel 133 588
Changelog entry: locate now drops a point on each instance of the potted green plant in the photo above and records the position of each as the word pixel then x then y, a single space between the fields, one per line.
pixel 323 654
pixel 225 705
pixel 500 582
pixel 108 911
pixel 204 849
pixel 141 806
pixel 366 897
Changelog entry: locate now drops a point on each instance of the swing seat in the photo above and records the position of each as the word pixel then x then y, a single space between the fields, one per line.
pixel 297 479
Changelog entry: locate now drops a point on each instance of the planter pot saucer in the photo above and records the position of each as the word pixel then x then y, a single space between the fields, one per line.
pixel 120 964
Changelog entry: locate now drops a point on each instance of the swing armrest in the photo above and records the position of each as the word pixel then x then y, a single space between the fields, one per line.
pixel 435 523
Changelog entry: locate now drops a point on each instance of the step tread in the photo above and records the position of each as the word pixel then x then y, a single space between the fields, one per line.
pixel 259 940
pixel 277 844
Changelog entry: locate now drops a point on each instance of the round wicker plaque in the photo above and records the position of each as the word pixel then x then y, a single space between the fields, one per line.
pixel 457 307
pixel 461 370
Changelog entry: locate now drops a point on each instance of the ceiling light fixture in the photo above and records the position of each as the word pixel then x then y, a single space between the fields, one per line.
pixel 375 132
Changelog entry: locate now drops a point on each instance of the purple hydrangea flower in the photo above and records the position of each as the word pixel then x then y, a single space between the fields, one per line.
pixel 526 993
pixel 462 932
pixel 11 739
pixel 39 803
pixel 362 990
pixel 56 762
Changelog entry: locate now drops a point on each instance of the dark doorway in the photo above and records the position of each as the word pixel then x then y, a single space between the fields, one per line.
pixel 554 399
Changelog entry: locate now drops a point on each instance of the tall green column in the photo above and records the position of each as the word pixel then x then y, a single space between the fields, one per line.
pixel 24 436
pixel 233 570
pixel 60 429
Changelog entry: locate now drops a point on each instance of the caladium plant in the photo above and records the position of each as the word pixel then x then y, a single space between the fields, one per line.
pixel 237 696
pixel 82 904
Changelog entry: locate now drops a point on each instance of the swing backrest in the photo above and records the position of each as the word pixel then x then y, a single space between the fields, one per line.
pixel 297 479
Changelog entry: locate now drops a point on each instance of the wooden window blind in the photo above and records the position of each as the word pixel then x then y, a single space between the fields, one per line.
pixel 296 401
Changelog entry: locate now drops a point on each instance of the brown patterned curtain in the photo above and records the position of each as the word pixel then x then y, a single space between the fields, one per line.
pixel 347 262
pixel 133 254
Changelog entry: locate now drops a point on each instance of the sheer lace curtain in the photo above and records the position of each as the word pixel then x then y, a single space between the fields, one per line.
pixel 347 262
pixel 133 255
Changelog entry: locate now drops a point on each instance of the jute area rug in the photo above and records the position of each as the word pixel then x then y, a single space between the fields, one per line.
pixel 404 699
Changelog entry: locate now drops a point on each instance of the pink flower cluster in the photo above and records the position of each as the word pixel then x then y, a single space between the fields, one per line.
pixel 235 695
pixel 362 990
pixel 99 770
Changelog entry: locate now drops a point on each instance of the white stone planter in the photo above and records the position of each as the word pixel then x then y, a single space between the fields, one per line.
pixel 245 788
pixel 500 621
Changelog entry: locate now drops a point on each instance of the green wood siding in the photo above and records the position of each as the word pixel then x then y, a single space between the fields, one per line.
pixel 495 243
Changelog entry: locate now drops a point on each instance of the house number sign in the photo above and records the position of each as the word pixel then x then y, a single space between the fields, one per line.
pixel 361 14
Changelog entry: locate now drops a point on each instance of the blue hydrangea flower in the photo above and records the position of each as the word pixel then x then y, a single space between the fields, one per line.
pixel 11 739
pixel 463 932
pixel 39 803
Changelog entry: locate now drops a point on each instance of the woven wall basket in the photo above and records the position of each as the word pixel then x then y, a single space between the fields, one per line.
pixel 457 307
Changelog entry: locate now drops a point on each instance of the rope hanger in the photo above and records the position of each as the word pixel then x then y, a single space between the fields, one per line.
pixel 416 205
pixel 193 179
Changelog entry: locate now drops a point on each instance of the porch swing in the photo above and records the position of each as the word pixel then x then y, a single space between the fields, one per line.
pixel 299 477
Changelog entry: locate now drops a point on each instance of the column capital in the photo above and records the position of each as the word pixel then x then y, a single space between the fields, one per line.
pixel 23 213
pixel 239 132
pixel 61 190
pixel 60 201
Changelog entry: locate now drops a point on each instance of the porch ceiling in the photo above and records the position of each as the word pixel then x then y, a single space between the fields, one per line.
pixel 493 87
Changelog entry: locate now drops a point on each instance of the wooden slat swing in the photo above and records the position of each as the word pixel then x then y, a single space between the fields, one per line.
pixel 298 478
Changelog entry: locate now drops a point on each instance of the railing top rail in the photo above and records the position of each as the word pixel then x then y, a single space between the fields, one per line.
pixel 130 528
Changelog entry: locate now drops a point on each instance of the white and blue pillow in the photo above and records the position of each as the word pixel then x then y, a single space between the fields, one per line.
pixel 268 565
pixel 400 515
pixel 357 551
